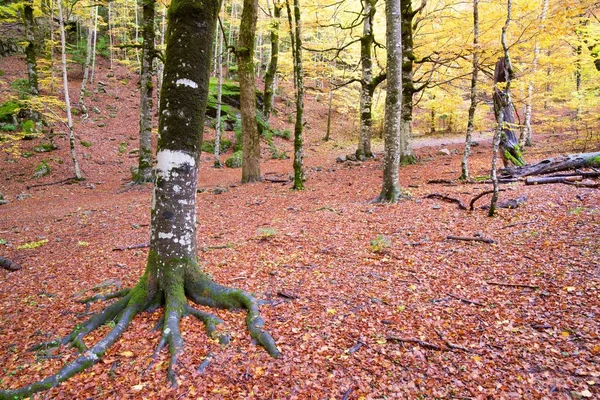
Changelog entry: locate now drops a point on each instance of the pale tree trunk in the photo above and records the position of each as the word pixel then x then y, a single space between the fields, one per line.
pixel 144 171
pixel 52 47
pixel 173 275
pixel 525 139
pixel 137 31
pixel 504 136
pixel 366 93
pixel 231 35
pixel 299 79
pixel 31 49
pixel 66 89
pixel 473 94
pixel 159 62
pixel 94 46
pixel 269 95
pixel 88 61
pixel 218 129
pixel 329 108
pixel 110 35
pixel 390 192
pixel 245 55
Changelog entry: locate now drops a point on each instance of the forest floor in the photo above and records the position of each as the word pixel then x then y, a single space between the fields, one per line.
pixel 364 300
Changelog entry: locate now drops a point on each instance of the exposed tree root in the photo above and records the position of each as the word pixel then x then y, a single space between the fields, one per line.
pixel 198 287
pixel 447 198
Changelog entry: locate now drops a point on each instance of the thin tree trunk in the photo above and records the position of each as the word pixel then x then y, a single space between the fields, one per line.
pixel 88 61
pixel 298 126
pixel 31 49
pixel 66 89
pixel 390 191
pixel 473 94
pixel 245 54
pixel 110 35
pixel 218 130
pixel 137 31
pixel 269 94
pixel 52 47
pixel 328 133
pixel 160 65
pixel 144 172
pixel 231 35
pixel 526 137
pixel 94 46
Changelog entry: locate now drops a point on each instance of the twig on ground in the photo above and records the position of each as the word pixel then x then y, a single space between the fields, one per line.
pixel 517 285
pixel 446 198
pixel 466 300
pixel 132 247
pixel 451 345
pixel 471 239
pixel 480 195
pixel 72 179
pixel 422 343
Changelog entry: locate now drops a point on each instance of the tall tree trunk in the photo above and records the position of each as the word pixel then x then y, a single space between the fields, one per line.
pixel 218 129
pixel 526 136
pixel 88 61
pixel 408 88
pixel 366 93
pixel 390 191
pixel 473 94
pixel 329 108
pixel 504 137
pixel 159 62
pixel 144 172
pixel 268 97
pixel 66 89
pixel 173 274
pixel 110 35
pixel 31 49
pixel 245 54
pixel 95 39
pixel 299 79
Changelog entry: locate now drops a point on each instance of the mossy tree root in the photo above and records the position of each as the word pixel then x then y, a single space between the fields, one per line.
pixel 198 287
pixel 104 297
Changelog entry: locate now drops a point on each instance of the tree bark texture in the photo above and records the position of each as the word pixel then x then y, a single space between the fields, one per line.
pixel 299 79
pixel 366 94
pixel 390 191
pixel 88 62
pixel 144 172
pixel 268 98
pixel 245 55
pixel 408 88
pixel 509 144
pixel 473 93
pixel 31 49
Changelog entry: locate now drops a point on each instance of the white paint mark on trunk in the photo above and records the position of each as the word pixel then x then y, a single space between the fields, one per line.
pixel 186 82
pixel 166 160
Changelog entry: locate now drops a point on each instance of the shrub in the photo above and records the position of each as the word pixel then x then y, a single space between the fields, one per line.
pixel 235 161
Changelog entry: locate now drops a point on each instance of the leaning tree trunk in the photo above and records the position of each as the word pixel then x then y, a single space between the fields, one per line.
pixel 390 191
pixel 556 164
pixel 245 55
pixel 173 274
pixel 272 70
pixel 509 144
pixel 473 94
pixel 144 171
pixel 30 49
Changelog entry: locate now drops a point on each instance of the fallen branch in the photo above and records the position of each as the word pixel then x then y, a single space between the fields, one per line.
pixel 68 180
pixel 471 239
pixel 465 300
pixel 9 265
pixel 446 198
pixel 451 345
pixel 550 165
pixel 442 182
pixel 518 285
pixel 132 247
pixel 480 195
pixel 552 179
pixel 422 343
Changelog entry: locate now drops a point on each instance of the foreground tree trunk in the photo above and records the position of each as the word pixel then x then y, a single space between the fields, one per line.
pixel 299 84
pixel 272 70
pixel 245 59
pixel 144 171
pixel 473 94
pixel 390 191
pixel 172 274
